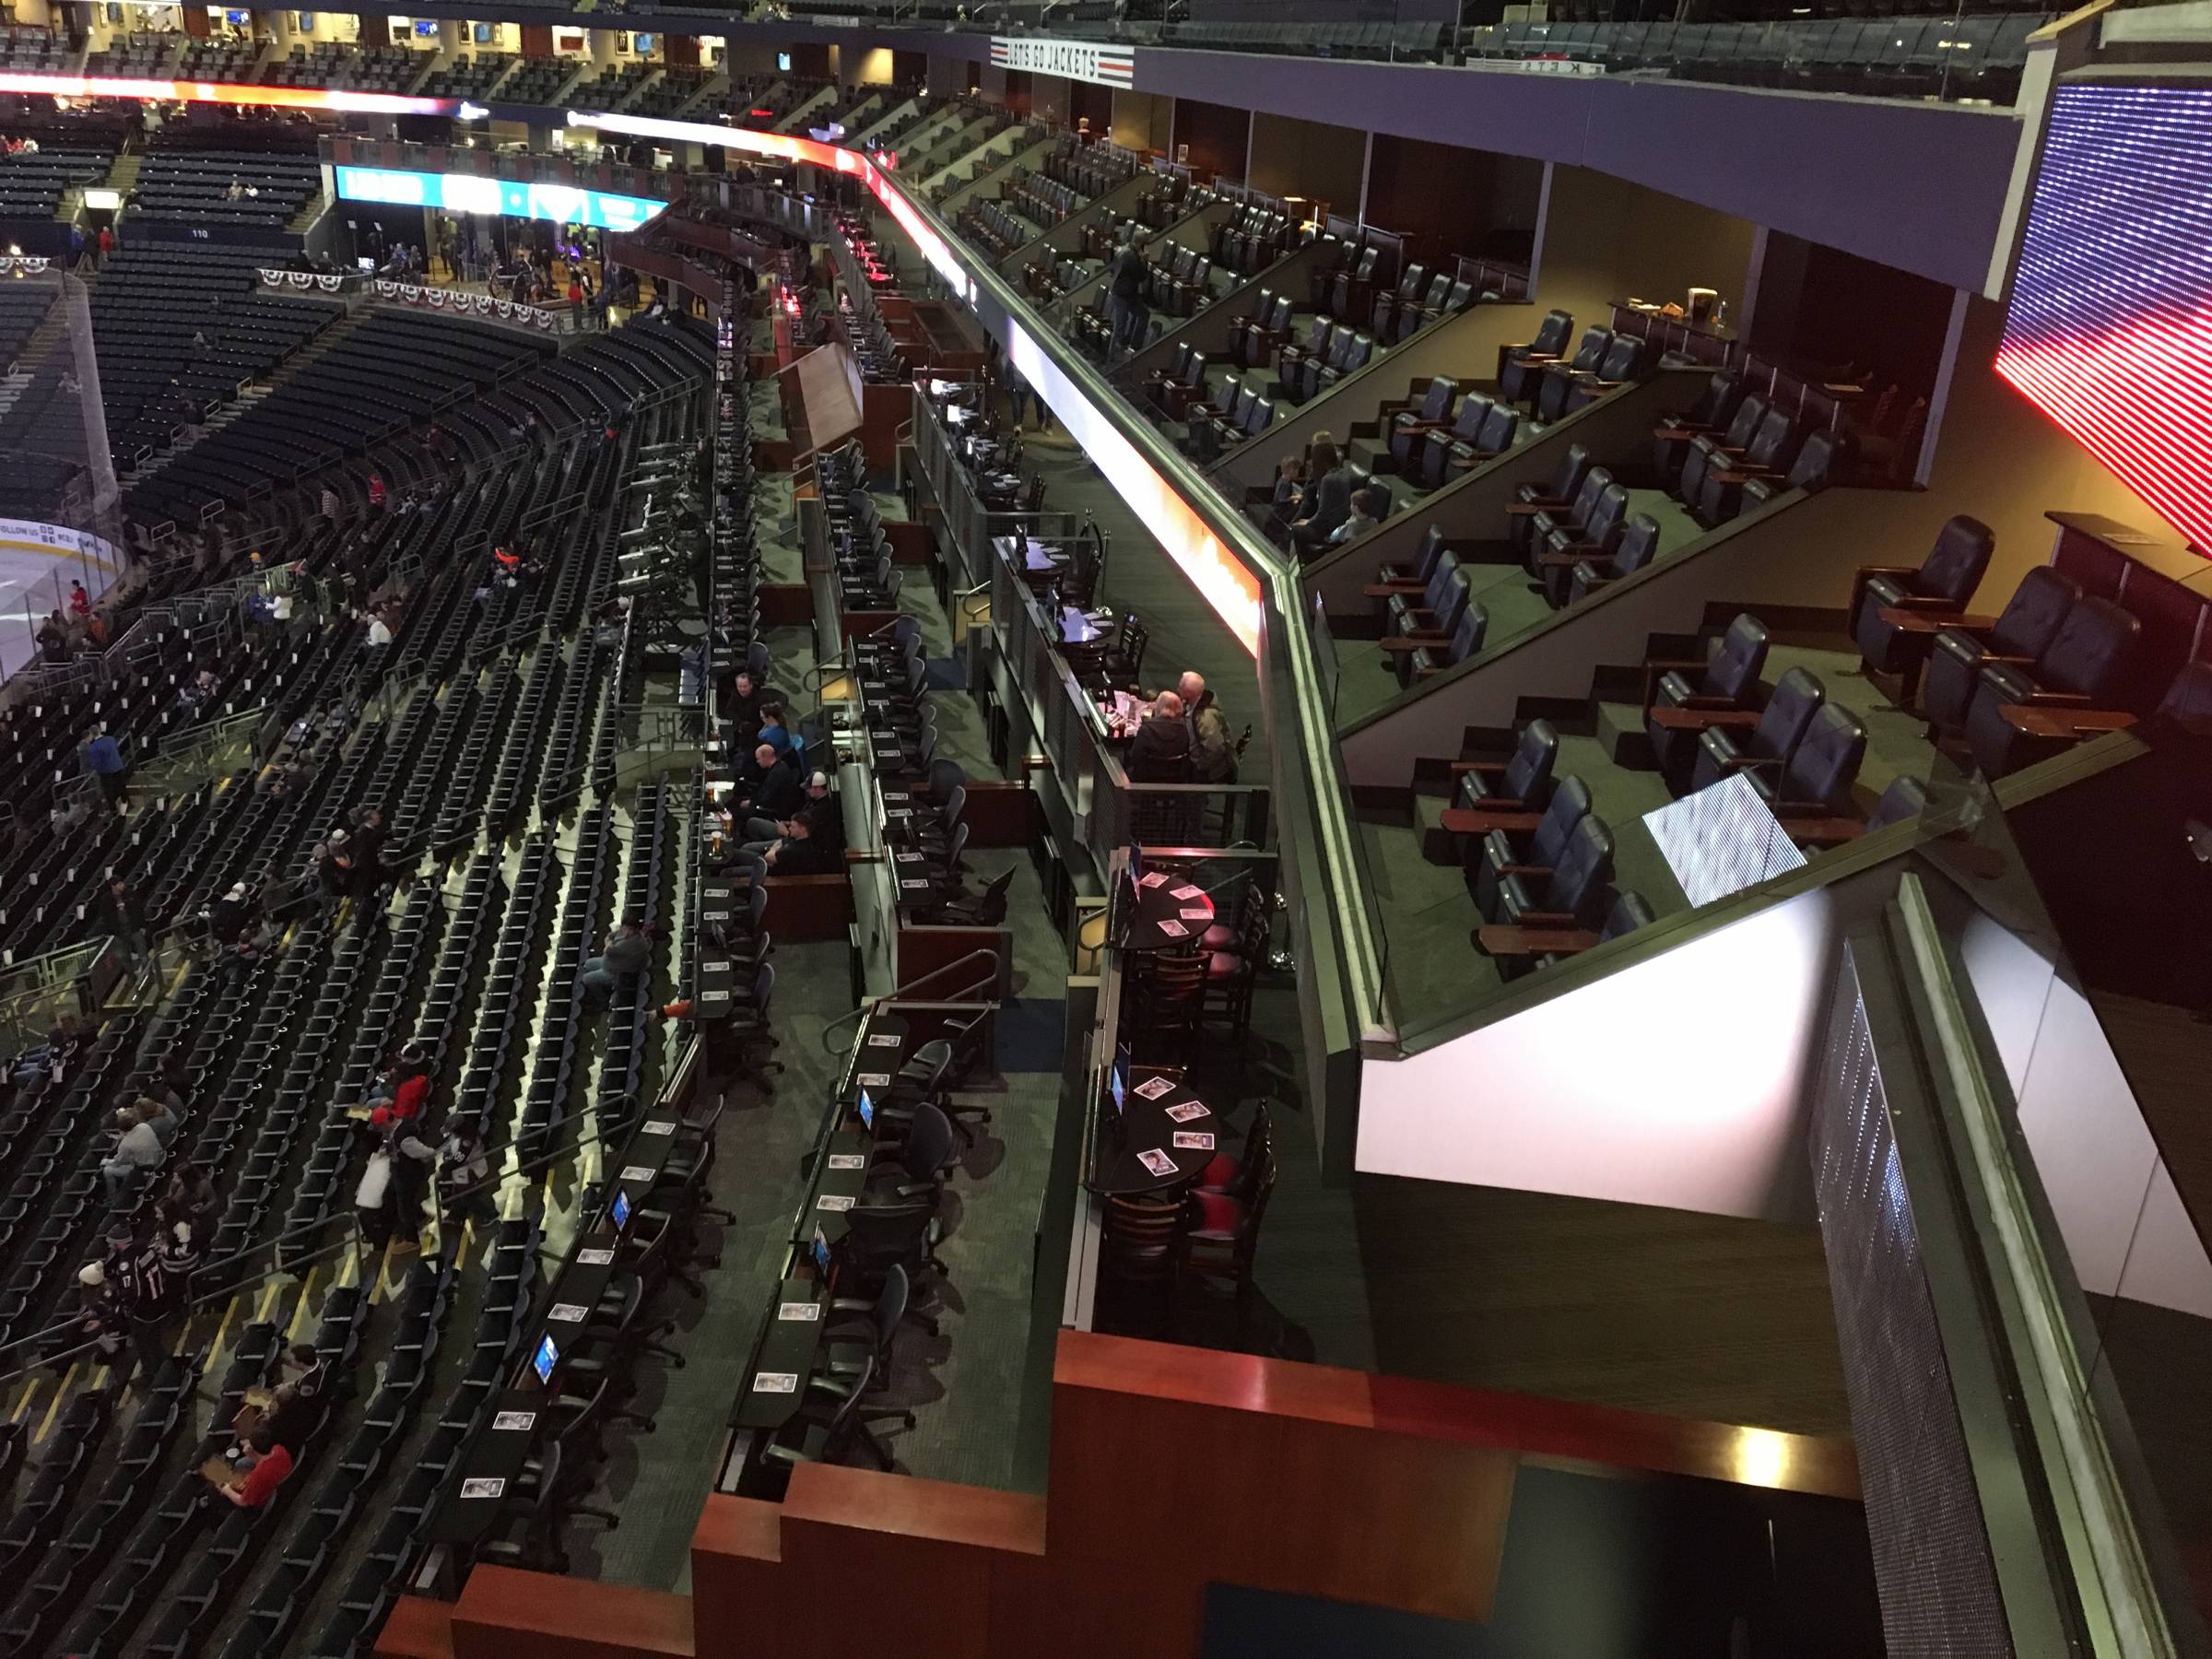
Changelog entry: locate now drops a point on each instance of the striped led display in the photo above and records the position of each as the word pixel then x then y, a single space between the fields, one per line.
pixel 2109 328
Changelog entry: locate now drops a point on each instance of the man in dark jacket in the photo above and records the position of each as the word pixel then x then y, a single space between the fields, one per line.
pixel 125 918
pixel 776 795
pixel 1160 752
pixel 628 950
pixel 1125 297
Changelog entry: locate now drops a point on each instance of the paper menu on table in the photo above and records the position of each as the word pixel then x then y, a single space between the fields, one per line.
pixel 1157 878
pixel 1187 890
pixel 1183 1112
pixel 1175 930
pixel 1151 1088
pixel 1197 913
pixel 1188 1141
pixel 1159 1163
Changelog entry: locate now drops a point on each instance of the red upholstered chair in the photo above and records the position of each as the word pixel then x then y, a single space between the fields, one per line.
pixel 1225 1235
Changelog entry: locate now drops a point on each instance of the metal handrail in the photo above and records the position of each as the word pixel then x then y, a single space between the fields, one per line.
pixel 981 952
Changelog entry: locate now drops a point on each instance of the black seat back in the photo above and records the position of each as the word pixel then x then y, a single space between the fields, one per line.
pixel 1797 698
pixel 1566 477
pixel 1737 664
pixel 1553 333
pixel 2031 617
pixel 1825 761
pixel 1954 566
pixel 1527 776
pixel 1638 545
pixel 2090 649
pixel 1579 880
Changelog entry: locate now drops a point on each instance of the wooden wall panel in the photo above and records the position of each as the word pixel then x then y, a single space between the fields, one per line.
pixel 1172 1469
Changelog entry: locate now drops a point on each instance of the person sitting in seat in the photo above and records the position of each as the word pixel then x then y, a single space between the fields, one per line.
pixel 1160 752
pixel 1369 506
pixel 628 949
pixel 796 852
pixel 768 787
pixel 271 1463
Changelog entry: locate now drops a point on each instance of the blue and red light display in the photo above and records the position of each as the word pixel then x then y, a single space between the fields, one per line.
pixel 2109 329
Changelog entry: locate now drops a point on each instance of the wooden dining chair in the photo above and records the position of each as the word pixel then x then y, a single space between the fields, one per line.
pixel 1225 1235
pixel 1231 973
pixel 1171 1002
pixel 1145 1239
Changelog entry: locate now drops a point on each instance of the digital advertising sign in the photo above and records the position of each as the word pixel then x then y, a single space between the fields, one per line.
pixel 2110 327
pixel 514 198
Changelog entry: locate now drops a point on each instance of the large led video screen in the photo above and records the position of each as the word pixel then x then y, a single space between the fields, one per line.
pixel 2109 328
pixel 471 193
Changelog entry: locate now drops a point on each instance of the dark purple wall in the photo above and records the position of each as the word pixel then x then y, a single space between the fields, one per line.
pixel 1918 186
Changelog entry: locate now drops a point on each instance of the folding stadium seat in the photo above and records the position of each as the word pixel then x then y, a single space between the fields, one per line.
pixel 1798 696
pixel 1722 688
pixel 1941 586
pixel 2079 671
pixel 1518 366
pixel 2022 633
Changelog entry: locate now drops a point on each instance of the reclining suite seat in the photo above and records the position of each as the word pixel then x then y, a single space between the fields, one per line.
pixel 1797 698
pixel 1946 580
pixel 1423 564
pixel 1546 523
pixel 2082 668
pixel 2022 633
pixel 1688 482
pixel 1712 411
pixel 1523 783
pixel 1905 798
pixel 1599 535
pixel 1575 892
pixel 1467 641
pixel 1823 458
pixel 1563 393
pixel 1555 491
pixel 1437 609
pixel 1822 767
pixel 1497 854
pixel 1773 447
pixel 1588 354
pixel 2187 705
pixel 1635 547
pixel 1407 425
pixel 1470 442
pixel 1518 366
pixel 1730 681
